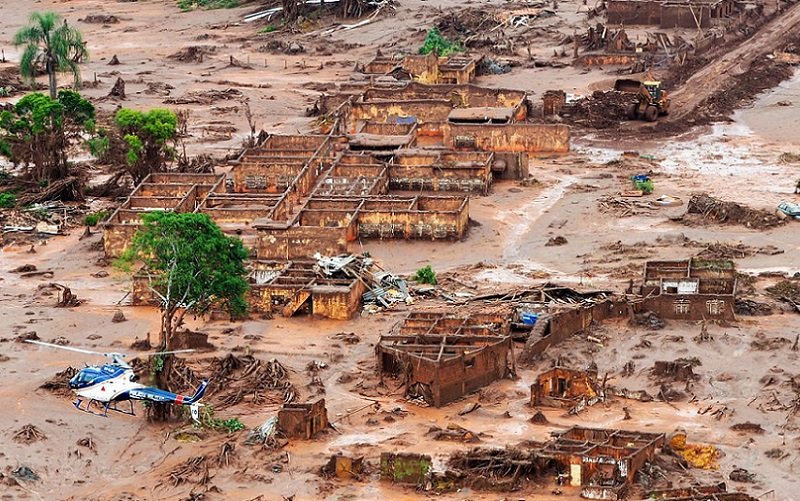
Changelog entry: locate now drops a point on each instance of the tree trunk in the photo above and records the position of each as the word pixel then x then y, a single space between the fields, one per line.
pixel 51 75
pixel 161 411
pixel 165 336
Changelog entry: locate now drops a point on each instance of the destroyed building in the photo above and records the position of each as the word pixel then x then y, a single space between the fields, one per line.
pixel 602 462
pixel 550 314
pixel 295 196
pixel 694 289
pixel 302 420
pixel 717 492
pixel 668 13
pixel 328 287
pixel 562 387
pixel 448 117
pixel 429 68
pixel 158 191
pixel 285 287
pixel 443 356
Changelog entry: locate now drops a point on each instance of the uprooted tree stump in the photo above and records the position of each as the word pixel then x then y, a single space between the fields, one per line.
pixel 118 90
pixel 29 434
pixel 66 298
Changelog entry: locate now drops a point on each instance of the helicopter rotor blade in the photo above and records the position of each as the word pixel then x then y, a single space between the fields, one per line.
pixel 60 347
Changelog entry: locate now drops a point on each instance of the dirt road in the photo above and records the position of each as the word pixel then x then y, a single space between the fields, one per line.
pixel 718 75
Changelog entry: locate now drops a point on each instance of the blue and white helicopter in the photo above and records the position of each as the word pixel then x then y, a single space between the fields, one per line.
pixel 109 384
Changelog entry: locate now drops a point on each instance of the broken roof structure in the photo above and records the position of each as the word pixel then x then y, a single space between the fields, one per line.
pixel 444 356
pixel 295 196
pixel 563 387
pixel 602 462
pixel 430 69
pixel 694 289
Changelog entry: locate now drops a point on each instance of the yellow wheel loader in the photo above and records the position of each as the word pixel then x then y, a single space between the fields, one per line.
pixel 651 101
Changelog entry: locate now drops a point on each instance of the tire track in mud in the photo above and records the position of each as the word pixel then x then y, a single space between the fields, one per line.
pixel 526 217
pixel 718 75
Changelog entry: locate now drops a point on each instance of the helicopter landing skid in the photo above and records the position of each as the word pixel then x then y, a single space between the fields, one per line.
pixel 106 406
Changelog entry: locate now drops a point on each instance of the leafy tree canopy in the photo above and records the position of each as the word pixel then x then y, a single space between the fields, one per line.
pixel 51 45
pixel 438 44
pixel 39 131
pixel 146 135
pixel 193 266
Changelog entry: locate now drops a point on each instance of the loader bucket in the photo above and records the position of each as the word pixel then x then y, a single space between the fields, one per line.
pixel 627 85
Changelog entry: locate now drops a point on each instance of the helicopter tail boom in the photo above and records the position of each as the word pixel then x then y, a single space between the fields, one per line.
pixel 159 395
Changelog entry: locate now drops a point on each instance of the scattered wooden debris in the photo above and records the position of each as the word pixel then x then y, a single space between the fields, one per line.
pixel 623 207
pixel 722 212
pixel 60 382
pixel 454 433
pixel 87 442
pixel 29 434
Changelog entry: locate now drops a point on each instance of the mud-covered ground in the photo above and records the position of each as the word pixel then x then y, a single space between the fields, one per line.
pixel 746 372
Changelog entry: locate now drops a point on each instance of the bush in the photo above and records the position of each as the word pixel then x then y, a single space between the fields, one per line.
pixel 99 146
pixel 231 425
pixel 95 217
pixel 646 186
pixel 7 200
pixel 425 275
pixel 207 420
pixel 438 44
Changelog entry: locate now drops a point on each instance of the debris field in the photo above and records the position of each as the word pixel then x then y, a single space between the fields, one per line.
pixel 515 250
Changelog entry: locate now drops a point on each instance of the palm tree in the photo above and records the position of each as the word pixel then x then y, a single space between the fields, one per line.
pixel 50 44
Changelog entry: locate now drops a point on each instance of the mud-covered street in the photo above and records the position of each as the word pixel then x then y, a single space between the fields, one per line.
pixel 490 271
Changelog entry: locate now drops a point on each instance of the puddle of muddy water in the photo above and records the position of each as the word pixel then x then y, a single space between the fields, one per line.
pixel 771 121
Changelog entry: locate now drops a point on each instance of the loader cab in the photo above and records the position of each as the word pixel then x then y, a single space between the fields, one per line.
pixel 654 89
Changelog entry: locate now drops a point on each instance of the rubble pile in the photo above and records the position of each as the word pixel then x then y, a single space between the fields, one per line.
pixel 194 470
pixel 601 110
pixel 194 53
pixel 764 73
pixel 749 307
pixel 59 384
pixel 245 377
pixel 233 379
pixel 499 469
pixel 383 288
pixel 205 97
pixel 622 207
pixel 785 290
pixel 10 82
pixel 722 212
pixel 722 250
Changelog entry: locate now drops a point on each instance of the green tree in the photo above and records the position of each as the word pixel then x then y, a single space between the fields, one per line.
pixel 192 266
pixel 40 131
pixel 148 137
pixel 51 45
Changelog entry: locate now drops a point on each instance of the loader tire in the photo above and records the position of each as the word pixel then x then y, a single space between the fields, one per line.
pixel 651 113
pixel 631 111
